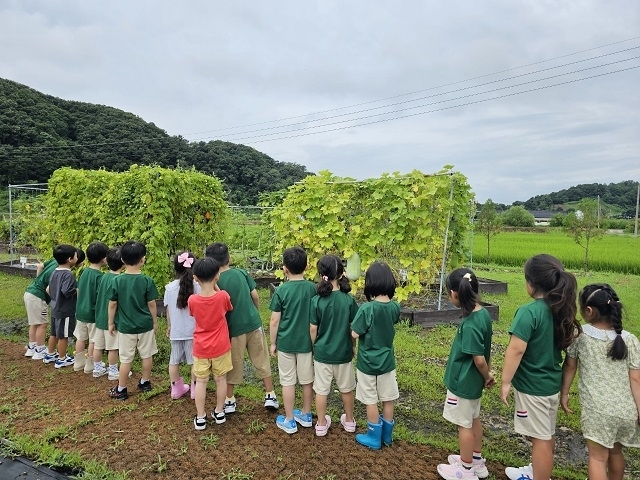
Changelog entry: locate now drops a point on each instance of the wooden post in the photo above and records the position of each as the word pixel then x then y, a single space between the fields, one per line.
pixel 635 230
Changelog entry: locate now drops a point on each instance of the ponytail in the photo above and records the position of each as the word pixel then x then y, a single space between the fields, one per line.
pixel 465 283
pixel 182 265
pixel 330 268
pixel 547 275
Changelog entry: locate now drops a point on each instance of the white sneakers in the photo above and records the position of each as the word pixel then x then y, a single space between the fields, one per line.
pixel 519 473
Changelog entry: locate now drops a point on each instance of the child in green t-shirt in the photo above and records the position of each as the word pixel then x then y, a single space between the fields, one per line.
pixel 290 338
pixel 467 374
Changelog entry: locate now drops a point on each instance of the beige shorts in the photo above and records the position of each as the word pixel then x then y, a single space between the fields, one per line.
pixel 145 343
pixel 103 340
pixel 461 411
pixel 325 372
pixel 295 368
pixel 255 343
pixel 84 331
pixel 36 309
pixel 372 389
pixel 535 416
pixel 219 366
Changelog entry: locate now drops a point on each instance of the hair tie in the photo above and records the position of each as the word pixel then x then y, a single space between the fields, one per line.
pixel 325 278
pixel 467 276
pixel 185 260
pixel 620 334
pixel 609 302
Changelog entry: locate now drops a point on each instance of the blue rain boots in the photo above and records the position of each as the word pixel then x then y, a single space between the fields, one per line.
pixel 373 437
pixel 387 431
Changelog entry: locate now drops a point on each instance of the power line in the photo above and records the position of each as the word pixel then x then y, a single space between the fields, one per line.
pixel 423 90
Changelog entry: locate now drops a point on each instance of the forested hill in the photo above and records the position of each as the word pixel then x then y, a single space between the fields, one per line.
pixel 40 133
pixel 623 194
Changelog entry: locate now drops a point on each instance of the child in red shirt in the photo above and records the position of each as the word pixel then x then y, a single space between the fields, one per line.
pixel 211 341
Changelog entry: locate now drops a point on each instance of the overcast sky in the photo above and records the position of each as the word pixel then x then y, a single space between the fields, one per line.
pixel 313 82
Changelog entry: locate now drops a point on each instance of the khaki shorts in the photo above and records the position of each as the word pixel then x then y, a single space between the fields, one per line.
pixel 129 342
pixel 84 331
pixel 256 344
pixel 295 368
pixel 461 411
pixel 535 416
pixel 372 389
pixel 102 340
pixel 219 366
pixel 325 372
pixel 36 309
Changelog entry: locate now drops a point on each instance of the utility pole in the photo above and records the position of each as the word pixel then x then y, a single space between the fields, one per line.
pixel 635 230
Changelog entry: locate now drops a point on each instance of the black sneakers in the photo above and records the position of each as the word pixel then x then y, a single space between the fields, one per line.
pixel 118 395
pixel 145 387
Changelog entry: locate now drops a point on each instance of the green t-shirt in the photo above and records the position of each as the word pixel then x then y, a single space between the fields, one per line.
pixel 293 300
pixel 87 294
pixel 333 315
pixel 540 370
pixel 38 286
pixel 133 292
pixel 374 325
pixel 473 337
pixel 244 317
pixel 103 295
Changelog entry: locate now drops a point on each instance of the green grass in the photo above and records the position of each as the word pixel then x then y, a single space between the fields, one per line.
pixel 616 253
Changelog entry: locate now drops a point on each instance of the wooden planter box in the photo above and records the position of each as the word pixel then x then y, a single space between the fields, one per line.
pixel 491 286
pixel 16 269
pixel 430 317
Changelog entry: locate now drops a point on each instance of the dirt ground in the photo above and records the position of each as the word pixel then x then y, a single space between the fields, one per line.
pixel 152 436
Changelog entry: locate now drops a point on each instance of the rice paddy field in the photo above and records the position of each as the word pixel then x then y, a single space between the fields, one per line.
pixel 609 253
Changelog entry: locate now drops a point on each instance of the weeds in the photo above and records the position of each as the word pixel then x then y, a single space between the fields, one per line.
pixel 210 440
pixel 256 426
pixel 236 474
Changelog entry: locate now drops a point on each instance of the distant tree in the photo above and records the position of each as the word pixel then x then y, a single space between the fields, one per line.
pixel 488 223
pixel 582 225
pixel 557 220
pixel 518 216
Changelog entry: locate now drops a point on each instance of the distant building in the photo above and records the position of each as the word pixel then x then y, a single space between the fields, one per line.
pixel 542 217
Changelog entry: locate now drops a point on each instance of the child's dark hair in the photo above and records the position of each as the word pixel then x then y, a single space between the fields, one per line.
pixel 114 259
pixel 182 264
pixel 96 252
pixel 64 252
pixel 330 268
pixel 219 252
pixel 546 275
pixel 295 259
pixel 379 280
pixel 604 300
pixel 206 269
pixel 81 256
pixel 465 283
pixel 132 252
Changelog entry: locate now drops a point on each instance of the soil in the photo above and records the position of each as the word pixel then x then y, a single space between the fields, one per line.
pixel 151 436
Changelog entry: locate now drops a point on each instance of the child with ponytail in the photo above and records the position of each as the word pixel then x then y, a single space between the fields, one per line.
pixel 540 331
pixel 180 324
pixel 468 372
pixel 609 383
pixel 332 312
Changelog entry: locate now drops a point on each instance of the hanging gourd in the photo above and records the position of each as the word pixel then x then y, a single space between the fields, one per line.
pixel 354 267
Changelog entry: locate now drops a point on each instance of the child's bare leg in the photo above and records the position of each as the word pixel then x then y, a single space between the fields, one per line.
pixel 288 398
pixel 201 395
pixel 90 350
pixel 616 462
pixel 268 384
pixel 97 355
pixel 387 410
pixel 221 392
pixel 174 372
pixel 112 357
pixel 542 457
pixel 598 459
pixel 32 333
pixel 123 376
pixel 40 333
pixel 147 363
pixel 62 346
pixel 51 346
pixel 476 426
pixel 466 440
pixel 307 397
pixel 230 388
pixel 321 409
pixel 348 405
pixel 79 346
pixel 373 415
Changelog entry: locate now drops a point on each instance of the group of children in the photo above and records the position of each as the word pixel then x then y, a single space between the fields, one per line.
pixel 213 319
pixel 608 358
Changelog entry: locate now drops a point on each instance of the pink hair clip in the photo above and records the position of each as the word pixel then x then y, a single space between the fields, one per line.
pixel 185 260
pixel 325 278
